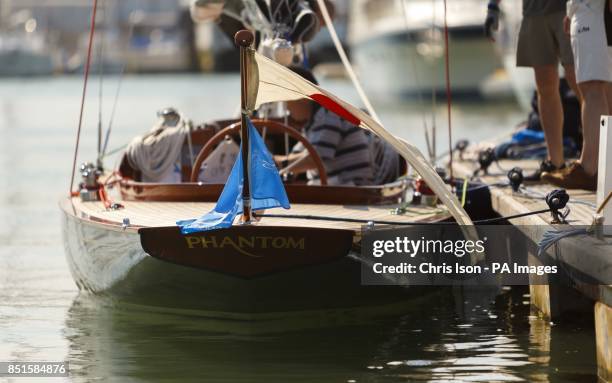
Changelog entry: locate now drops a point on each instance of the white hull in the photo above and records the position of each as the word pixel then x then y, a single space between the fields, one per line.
pixel 158 60
pixel 399 47
pixel 106 260
pixel 393 66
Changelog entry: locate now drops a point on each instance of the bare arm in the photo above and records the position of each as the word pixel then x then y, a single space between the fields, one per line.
pixel 280 158
pixel 301 164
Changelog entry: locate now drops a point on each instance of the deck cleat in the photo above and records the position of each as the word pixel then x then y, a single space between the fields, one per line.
pixel 556 201
pixel 116 206
pixel 485 159
pixel 89 187
pixel 516 178
pixel 460 146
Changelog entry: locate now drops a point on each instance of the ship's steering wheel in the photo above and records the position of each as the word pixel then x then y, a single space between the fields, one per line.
pixel 273 127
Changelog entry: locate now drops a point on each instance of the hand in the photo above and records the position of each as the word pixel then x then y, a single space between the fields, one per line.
pixel 281 160
pixel 492 21
pixel 566 25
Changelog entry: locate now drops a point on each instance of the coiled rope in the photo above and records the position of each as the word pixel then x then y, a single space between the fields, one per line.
pixel 551 237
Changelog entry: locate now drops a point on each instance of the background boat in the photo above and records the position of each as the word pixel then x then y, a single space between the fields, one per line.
pixel 24 50
pixel 521 79
pixel 401 52
pixel 24 57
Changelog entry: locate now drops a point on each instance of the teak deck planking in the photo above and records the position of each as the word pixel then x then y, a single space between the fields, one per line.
pixel 161 214
pixel 581 202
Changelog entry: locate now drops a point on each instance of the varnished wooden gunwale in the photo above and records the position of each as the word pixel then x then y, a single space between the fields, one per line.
pixel 297 193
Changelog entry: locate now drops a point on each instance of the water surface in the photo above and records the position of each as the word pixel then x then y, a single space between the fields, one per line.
pixel 460 336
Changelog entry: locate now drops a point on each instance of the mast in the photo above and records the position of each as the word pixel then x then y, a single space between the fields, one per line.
pixel 244 39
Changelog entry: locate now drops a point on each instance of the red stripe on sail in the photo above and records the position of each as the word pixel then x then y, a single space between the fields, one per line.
pixel 334 107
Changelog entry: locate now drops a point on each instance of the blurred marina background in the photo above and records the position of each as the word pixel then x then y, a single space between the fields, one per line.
pixel 147 36
pixel 396 46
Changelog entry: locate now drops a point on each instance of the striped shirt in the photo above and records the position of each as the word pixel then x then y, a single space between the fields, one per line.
pixel 351 155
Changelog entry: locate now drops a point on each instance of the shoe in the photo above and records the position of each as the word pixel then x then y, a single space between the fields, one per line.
pixel 546 166
pixel 574 177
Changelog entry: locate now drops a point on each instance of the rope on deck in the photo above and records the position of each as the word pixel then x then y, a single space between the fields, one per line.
pixel 551 237
pixel 369 222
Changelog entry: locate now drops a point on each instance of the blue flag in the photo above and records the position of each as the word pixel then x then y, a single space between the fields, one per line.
pixel 267 189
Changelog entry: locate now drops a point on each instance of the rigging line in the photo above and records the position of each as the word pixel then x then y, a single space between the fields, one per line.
pixel 258 20
pixel 101 81
pixel 117 92
pixel 286 122
pixel 313 23
pixel 604 203
pixel 239 18
pixel 274 13
pixel 345 60
pixel 434 100
pixel 112 116
pixel 85 79
pixel 418 83
pixel 114 151
pixel 344 219
pixel 432 158
pixel 365 221
pixel 448 91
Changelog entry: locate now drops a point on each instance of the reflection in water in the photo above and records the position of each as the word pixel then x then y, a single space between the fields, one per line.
pixel 489 341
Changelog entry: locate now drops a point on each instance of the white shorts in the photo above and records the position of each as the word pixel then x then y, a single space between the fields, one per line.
pixel 592 58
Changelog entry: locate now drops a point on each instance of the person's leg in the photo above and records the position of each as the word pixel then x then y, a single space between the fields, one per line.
pixel 551 110
pixel 594 105
pixel 609 83
pixel 570 76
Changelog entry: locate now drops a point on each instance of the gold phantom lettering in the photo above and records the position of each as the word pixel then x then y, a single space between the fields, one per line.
pixel 245 245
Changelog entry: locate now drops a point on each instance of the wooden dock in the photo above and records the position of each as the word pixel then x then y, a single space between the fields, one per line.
pixel 583 254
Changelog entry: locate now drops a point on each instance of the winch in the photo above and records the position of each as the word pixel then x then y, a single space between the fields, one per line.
pixel 423 194
pixel 89 187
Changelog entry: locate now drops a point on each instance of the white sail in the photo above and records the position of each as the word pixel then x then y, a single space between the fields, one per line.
pixel 271 82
